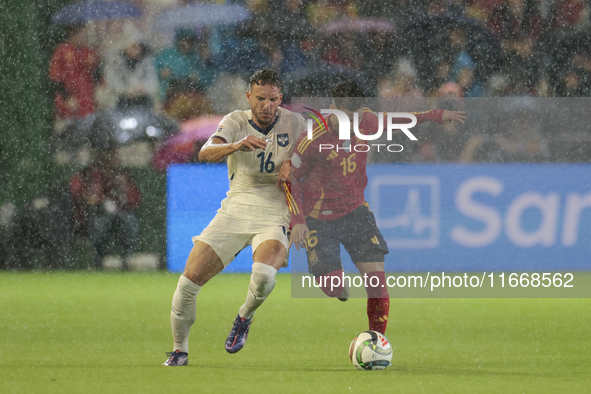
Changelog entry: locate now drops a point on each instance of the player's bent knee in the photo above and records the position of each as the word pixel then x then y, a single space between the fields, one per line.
pixel 337 291
pixel 366 268
pixel 331 284
pixel 329 290
pixel 272 253
pixel 262 279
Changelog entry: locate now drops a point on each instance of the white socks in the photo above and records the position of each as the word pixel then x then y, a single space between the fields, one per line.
pixel 184 302
pixel 262 282
pixel 183 312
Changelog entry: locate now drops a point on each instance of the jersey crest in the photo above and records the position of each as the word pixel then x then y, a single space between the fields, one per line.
pixel 283 140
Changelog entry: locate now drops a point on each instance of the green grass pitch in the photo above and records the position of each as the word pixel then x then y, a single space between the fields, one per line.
pixel 107 333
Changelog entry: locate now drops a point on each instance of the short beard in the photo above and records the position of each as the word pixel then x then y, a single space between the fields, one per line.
pixel 262 123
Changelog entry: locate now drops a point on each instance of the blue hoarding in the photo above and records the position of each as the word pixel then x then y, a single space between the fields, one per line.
pixel 434 217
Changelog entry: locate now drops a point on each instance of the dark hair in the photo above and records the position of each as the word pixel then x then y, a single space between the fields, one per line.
pixel 348 95
pixel 264 77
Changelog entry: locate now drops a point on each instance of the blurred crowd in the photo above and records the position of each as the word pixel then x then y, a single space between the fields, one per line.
pixel 395 48
pixel 486 57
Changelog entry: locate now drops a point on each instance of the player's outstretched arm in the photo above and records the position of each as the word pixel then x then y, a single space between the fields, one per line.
pixel 217 149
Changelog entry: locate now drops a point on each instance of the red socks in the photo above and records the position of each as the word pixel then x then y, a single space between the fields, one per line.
pixel 378 299
pixel 328 286
pixel 378 302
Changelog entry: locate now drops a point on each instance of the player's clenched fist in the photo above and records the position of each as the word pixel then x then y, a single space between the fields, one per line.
pixel 250 143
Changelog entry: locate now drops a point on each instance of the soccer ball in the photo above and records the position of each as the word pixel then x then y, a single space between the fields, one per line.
pixel 370 350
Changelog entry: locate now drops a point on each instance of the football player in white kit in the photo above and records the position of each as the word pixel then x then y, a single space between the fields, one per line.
pixel 258 144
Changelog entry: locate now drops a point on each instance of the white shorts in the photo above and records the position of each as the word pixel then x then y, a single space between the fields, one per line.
pixel 236 226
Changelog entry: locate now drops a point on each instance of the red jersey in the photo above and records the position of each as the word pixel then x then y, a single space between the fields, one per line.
pixel 330 183
pixel 74 67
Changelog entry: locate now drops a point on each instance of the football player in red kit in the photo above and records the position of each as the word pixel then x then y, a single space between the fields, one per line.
pixel 328 203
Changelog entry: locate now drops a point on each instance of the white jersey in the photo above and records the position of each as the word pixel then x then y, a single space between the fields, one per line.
pixel 253 175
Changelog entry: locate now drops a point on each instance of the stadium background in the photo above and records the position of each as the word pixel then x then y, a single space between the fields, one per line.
pixel 81 331
pixel 427 48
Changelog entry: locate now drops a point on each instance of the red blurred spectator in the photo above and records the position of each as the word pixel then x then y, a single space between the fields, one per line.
pixel 568 13
pixel 73 70
pixel 341 50
pixel 515 20
pixel 104 200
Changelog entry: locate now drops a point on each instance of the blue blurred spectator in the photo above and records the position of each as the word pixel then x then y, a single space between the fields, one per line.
pixel 187 60
pixel 262 50
pixel 463 67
